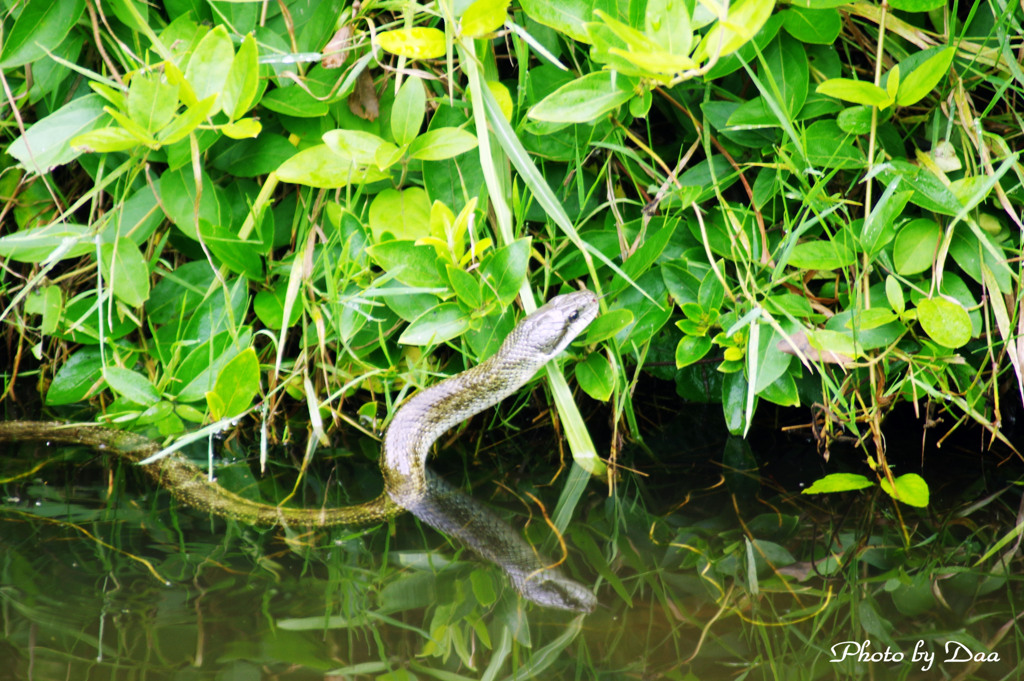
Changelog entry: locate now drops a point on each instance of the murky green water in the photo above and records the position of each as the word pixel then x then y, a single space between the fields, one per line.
pixel 705 570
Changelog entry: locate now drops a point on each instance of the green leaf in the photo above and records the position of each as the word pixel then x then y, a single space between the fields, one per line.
pixel 179 199
pixel 584 99
pixel 243 257
pixel 970 191
pixel 635 47
pixel 437 325
pixel 355 145
pixel 644 257
pixel 745 19
pixel 131 385
pixel 918 83
pixel 947 322
pixel 243 80
pixel 414 43
pixel 855 120
pixel 504 270
pixel 894 294
pixel 40 28
pixel 408 111
pixel 484 17
pixel 878 229
pixel 916 5
pixel 771 361
pixel 856 91
pixel 596 376
pixel 238 383
pixel 76 377
pixel 829 147
pixel 929 191
pixel 39 243
pixel 105 140
pixel 294 101
pixel 667 22
pixel 140 133
pixel 197 372
pixel 911 489
pixel 830 343
pixel 80 322
pixel 971 247
pixel 838 482
pixel 871 318
pixel 126 270
pixel 48 302
pixel 691 349
pixel 152 101
pixel 243 128
pixel 711 293
pixel 734 397
pixel 812 26
pixel 466 287
pixel 396 214
pixel 822 255
pixel 318 166
pixel 442 143
pixel 408 263
pixel 892 83
pixel 782 391
pixel 209 65
pixel 785 65
pixel 916 245
pixel 137 218
pixel 186 122
pixel 608 325
pixel 640 106
pixel 48 142
pixel 565 16
pixel 483 587
pixel 269 308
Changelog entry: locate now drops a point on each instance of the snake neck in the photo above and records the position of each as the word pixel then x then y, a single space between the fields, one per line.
pixel 432 412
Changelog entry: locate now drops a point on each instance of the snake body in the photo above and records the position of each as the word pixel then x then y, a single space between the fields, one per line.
pixel 408 484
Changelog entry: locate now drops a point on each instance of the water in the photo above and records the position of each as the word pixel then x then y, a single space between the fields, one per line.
pixel 708 569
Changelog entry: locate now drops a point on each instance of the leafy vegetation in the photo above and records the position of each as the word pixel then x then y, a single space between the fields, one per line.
pixel 204 216
pixel 292 215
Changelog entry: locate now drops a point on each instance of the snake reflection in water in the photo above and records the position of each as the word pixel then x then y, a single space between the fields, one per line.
pixel 408 484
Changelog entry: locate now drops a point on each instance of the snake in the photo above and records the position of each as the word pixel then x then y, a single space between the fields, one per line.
pixel 409 485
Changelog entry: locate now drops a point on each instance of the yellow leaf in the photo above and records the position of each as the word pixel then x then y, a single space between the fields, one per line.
pixel 415 43
pixel 242 128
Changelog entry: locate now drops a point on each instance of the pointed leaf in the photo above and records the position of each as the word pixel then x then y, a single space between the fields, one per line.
pixel 584 99
pixel 922 80
pixel 126 270
pixel 236 386
pixel 856 91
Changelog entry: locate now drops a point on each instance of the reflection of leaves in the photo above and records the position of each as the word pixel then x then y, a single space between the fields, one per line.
pixel 410 591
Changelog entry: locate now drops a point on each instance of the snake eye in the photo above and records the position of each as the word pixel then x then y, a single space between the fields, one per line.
pixel 573 316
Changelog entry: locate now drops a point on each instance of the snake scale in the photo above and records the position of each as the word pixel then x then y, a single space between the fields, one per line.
pixel 408 484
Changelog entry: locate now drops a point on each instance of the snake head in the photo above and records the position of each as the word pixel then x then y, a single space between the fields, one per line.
pixel 551 590
pixel 554 325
